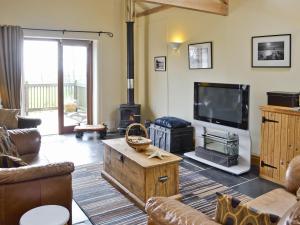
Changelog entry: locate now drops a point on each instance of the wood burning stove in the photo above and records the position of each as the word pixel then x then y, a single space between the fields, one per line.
pixel 130 112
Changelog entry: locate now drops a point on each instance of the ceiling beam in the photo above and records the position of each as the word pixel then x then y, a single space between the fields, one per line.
pixel 209 6
pixel 153 10
pixel 225 1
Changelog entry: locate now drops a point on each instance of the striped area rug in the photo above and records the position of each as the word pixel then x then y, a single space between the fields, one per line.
pixel 105 205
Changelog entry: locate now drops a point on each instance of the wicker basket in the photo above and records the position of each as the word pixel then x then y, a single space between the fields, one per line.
pixel 138 143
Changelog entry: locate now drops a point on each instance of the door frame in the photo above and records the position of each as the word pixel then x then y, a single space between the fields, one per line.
pixel 70 42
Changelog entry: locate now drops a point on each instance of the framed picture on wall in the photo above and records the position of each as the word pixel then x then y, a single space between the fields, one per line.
pixel 271 51
pixel 160 63
pixel 200 55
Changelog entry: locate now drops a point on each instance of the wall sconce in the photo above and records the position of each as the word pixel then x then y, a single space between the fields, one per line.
pixel 175 45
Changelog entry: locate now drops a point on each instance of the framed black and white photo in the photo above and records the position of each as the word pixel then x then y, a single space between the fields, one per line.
pixel 200 55
pixel 271 51
pixel 160 63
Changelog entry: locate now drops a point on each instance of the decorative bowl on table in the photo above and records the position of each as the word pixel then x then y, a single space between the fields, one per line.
pixel 138 143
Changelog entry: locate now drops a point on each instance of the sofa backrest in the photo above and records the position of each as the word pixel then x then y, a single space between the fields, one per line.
pixel 292 178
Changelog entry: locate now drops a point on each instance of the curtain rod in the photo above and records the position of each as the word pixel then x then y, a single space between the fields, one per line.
pixel 72 31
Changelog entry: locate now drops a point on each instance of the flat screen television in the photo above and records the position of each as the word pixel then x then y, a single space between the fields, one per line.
pixel 224 104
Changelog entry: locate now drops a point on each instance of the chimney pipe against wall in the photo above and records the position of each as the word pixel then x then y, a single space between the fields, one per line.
pixel 130 51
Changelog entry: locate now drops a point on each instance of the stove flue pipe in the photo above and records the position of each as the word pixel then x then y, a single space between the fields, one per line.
pixel 130 51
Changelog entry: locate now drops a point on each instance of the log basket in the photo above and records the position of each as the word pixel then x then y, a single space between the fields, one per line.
pixel 138 143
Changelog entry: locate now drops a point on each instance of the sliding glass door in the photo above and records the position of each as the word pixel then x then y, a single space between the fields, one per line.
pixel 40 82
pixel 58 83
pixel 75 89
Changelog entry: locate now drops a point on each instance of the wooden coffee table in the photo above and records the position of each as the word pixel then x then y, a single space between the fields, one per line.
pixel 101 129
pixel 138 177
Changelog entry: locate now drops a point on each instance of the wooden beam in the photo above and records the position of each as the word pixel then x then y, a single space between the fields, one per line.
pixel 225 1
pixel 153 10
pixel 209 6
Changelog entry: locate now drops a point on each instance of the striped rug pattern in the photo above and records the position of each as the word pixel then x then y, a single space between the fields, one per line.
pixel 105 205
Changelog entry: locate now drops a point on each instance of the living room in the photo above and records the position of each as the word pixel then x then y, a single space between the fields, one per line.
pixel 159 72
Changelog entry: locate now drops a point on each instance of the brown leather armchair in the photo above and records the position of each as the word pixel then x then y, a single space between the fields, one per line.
pixel 26 122
pixel 281 202
pixel 27 187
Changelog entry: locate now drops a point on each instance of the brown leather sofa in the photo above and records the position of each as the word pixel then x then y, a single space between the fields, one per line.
pixel 26 122
pixel 39 183
pixel 281 202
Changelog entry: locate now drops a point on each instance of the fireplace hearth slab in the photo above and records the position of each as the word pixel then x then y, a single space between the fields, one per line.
pixel 239 169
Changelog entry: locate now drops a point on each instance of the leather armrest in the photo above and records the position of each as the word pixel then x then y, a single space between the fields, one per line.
pixel 166 211
pixel 292 176
pixel 25 122
pixel 292 216
pixel 48 188
pixel 29 173
pixel 27 141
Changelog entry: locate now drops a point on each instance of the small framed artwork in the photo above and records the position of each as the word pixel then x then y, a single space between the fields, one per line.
pixel 160 63
pixel 271 51
pixel 200 55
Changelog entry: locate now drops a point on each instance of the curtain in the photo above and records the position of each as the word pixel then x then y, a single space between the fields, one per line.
pixel 11 54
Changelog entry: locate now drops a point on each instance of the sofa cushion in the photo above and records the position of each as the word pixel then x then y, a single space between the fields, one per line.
pixel 168 211
pixel 11 162
pixel 35 159
pixel 27 141
pixel 171 122
pixel 277 202
pixel 8 118
pixel 292 175
pixel 230 211
pixel 292 216
pixel 7 147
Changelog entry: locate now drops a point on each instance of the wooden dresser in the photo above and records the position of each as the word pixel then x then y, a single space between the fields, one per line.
pixel 280 141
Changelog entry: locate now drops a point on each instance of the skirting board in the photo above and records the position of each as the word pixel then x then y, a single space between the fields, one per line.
pixel 243 166
pixel 255 160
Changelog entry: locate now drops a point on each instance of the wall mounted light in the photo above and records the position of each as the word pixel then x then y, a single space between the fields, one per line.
pixel 175 45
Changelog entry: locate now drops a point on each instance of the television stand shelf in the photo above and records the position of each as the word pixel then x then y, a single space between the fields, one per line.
pixel 239 169
pixel 244 159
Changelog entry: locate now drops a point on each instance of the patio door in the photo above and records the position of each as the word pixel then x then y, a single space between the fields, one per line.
pixel 74 84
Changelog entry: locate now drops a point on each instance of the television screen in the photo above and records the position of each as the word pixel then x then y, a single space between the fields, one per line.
pixel 225 104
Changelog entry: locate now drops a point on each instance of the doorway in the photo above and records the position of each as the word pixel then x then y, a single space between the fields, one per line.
pixel 58 83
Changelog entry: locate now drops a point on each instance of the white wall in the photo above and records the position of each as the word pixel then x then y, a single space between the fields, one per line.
pixel 106 15
pixel 171 92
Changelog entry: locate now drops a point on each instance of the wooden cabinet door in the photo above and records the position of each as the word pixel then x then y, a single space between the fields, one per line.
pixel 270 145
pixel 297 136
pixel 291 145
pixel 280 142
pixel 283 146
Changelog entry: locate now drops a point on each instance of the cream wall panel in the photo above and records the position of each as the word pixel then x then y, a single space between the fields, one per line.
pixel 82 15
pixel 231 37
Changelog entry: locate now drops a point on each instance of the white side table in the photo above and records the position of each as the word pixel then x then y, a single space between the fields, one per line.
pixel 46 215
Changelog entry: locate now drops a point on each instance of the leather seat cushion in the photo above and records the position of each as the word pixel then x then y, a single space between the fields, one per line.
pixel 7 161
pixel 276 202
pixel 292 216
pixel 35 159
pixel 167 211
